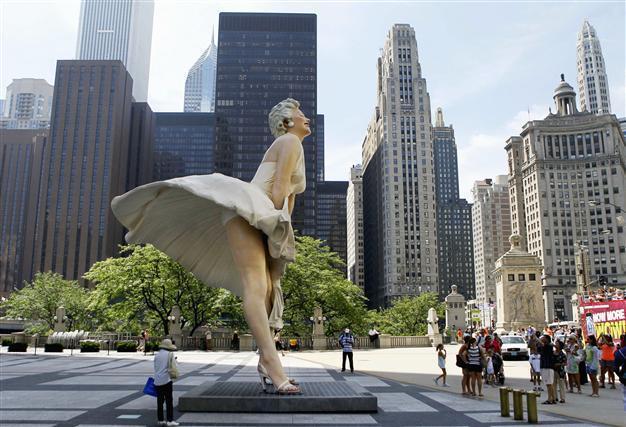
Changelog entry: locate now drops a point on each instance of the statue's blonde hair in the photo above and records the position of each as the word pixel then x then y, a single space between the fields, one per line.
pixel 280 112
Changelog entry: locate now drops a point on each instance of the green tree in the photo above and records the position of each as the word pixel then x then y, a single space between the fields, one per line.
pixel 316 279
pixel 38 301
pixel 142 287
pixel 407 315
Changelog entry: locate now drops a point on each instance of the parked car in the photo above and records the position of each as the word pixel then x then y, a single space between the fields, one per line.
pixel 514 347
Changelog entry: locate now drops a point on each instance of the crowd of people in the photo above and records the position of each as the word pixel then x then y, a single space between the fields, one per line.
pixel 561 361
pixel 602 295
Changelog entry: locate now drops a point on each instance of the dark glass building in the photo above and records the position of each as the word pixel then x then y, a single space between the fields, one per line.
pixel 320 147
pixel 454 217
pixel 20 160
pixel 140 149
pixel 262 59
pixel 85 164
pixel 183 145
pixel 331 216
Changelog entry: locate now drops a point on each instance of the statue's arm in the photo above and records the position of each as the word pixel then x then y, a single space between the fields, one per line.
pixel 288 154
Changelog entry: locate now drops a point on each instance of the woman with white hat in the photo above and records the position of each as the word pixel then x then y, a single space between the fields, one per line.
pixel 165 369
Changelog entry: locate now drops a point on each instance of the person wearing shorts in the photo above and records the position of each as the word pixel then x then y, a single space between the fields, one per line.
pixel 546 351
pixel 475 367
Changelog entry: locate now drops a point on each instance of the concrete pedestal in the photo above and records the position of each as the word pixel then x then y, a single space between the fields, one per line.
pixel 319 342
pixel 324 397
pixel 246 343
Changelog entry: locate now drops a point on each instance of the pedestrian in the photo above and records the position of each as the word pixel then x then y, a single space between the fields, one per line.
pixel 573 354
pixel 474 357
pixel 459 336
pixel 607 359
pixel 278 343
pixel 346 341
pixel 491 375
pixel 461 362
pixel 234 342
pixel 560 360
pixel 535 369
pixel 441 362
pixel 591 364
pixel 143 340
pixel 620 367
pixel 165 370
pixel 546 352
pixel 497 343
pixel 374 337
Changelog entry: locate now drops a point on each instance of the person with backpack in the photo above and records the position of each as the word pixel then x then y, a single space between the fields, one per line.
pixel 346 341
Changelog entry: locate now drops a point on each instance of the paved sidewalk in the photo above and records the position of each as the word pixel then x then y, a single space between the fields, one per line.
pixel 100 390
pixel 418 366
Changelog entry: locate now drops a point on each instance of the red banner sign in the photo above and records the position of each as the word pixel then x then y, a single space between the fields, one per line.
pixel 604 318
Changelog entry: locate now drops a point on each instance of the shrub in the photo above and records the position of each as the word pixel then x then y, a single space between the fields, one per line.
pixel 89 346
pixel 126 346
pixel 18 347
pixel 55 347
pixel 6 342
pixel 152 346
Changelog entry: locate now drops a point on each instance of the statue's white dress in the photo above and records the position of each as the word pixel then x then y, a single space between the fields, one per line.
pixel 185 217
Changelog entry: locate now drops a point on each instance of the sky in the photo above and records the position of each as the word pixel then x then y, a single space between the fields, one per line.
pixel 489 65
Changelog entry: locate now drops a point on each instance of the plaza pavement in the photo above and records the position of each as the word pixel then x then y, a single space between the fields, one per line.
pixel 98 390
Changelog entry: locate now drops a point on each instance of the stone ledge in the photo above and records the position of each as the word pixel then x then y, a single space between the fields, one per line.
pixel 227 396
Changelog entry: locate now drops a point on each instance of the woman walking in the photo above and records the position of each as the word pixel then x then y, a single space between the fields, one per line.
pixel 165 369
pixel 441 362
pixel 461 362
pixel 607 360
pixel 573 355
pixel 560 360
pixel 591 362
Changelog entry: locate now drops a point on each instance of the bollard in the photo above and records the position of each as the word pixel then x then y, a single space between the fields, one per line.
pixel 518 405
pixel 505 408
pixel 531 406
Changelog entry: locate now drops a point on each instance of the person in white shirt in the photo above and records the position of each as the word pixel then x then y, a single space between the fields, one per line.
pixel 164 369
pixel 535 369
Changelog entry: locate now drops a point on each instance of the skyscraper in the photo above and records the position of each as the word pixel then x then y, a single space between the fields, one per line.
pixel 183 145
pixel 454 216
pixel 491 229
pixel 200 83
pixel 399 208
pixel 262 59
pixel 593 84
pixel 85 164
pixel 568 174
pixel 354 213
pixel 28 104
pixel 20 160
pixel 331 216
pixel 122 30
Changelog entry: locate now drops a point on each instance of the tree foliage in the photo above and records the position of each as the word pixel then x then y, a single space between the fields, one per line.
pixel 38 301
pixel 142 287
pixel 315 279
pixel 407 315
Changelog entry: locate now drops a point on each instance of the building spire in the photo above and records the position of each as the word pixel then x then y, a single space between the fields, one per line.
pixel 439 122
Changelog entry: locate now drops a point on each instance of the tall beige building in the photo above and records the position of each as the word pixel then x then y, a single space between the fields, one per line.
pixel 491 226
pixel 354 214
pixel 399 206
pixel 28 104
pixel 593 83
pixel 568 172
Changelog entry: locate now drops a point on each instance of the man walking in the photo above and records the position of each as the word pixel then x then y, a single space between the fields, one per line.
pixel 346 340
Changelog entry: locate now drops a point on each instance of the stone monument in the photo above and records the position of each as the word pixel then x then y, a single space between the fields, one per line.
pixel 319 339
pixel 519 297
pixel 433 327
pixel 59 320
pixel 455 312
pixel 176 332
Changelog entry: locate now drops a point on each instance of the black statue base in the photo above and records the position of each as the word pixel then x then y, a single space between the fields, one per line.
pixel 327 397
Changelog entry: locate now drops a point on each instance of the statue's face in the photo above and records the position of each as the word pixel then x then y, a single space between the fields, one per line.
pixel 301 124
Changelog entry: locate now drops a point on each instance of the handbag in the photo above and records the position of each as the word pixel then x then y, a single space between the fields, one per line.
pixel 172 370
pixel 149 388
pixel 460 362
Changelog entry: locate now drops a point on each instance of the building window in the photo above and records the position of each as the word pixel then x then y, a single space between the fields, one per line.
pixel 511 277
pixel 521 277
pixel 531 276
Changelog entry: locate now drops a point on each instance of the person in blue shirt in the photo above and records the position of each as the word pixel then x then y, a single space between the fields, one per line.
pixel 346 341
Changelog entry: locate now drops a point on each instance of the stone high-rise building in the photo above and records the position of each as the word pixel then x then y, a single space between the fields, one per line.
pixel 28 105
pixel 567 172
pixel 85 164
pixel 491 229
pixel 354 202
pixel 122 30
pixel 200 83
pixel 399 205
pixel 454 216
pixel 593 84
pixel 21 153
pixel 251 80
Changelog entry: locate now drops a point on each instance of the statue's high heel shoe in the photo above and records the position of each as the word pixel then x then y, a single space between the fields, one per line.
pixel 287 387
pixel 261 369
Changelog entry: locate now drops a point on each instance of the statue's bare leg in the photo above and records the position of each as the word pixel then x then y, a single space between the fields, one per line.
pixel 248 251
